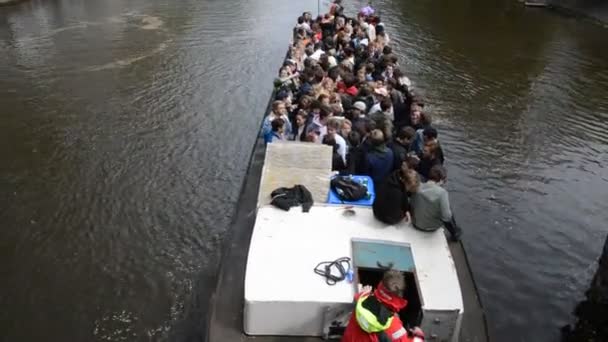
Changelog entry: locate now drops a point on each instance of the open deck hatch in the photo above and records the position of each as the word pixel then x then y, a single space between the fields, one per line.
pixel 371 258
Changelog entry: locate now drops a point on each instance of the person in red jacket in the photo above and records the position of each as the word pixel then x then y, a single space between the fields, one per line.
pixel 375 317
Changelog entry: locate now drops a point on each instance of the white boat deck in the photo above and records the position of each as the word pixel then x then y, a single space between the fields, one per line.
pixel 280 284
pixel 283 296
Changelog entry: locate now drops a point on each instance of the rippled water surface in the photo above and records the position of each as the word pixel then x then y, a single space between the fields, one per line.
pixel 126 126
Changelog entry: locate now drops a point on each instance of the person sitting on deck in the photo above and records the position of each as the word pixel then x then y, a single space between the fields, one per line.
pixel 430 205
pixel 428 159
pixel 376 314
pixel 392 202
pixel 276 132
pixel 379 158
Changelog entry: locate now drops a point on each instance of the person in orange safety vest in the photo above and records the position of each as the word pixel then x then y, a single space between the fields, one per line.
pixel 375 317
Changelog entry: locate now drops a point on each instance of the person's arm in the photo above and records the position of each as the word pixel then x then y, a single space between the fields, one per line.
pixel 287 123
pixel 266 125
pixel 342 152
pixel 444 204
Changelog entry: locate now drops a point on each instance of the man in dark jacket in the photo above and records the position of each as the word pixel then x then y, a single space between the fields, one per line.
pixel 401 145
pixel 379 158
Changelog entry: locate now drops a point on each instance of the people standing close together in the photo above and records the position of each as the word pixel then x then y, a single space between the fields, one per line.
pixel 341 85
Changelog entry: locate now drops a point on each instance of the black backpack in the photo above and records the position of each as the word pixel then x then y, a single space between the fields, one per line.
pixel 348 189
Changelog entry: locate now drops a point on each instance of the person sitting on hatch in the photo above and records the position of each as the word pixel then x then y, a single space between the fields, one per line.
pixel 430 205
pixel 391 204
pixel 376 314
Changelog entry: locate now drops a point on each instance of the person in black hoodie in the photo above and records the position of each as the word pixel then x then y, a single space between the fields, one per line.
pixel 392 202
pixel 356 160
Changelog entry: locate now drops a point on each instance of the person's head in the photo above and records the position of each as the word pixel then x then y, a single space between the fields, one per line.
pixel 336 109
pixel 329 140
pixel 334 73
pixel 349 80
pixel 359 108
pixel 346 128
pixel 394 282
pixel 300 118
pixel 312 135
pixel 301 20
pixel 437 174
pixel 415 117
pixel 386 104
pixel 376 137
pixel 333 126
pixel 324 99
pixel 348 52
pixel 410 180
pixel 284 72
pixel 324 113
pixel 284 96
pixel 411 162
pixel 340 22
pixel 429 134
pixel 370 68
pixel 354 138
pixel 278 108
pixel 387 50
pixel 389 69
pixel 426 119
pixel 429 150
pixel 405 135
pixel 319 75
pixel 361 75
pixel 278 125
pixel 305 102
pixel 315 107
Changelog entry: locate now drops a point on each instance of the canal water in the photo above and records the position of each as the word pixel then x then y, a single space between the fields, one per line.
pixel 126 126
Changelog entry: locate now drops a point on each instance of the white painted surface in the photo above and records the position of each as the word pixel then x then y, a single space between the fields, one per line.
pixel 283 296
pixel 290 163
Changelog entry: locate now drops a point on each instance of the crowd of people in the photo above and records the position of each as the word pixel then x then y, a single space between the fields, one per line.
pixel 342 85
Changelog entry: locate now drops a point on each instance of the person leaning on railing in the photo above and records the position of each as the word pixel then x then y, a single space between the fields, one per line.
pixel 430 206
